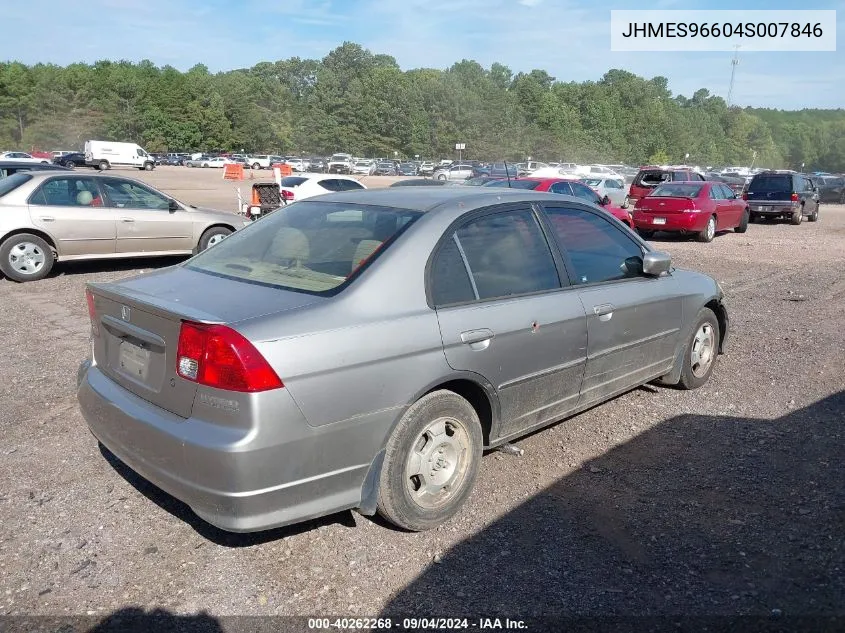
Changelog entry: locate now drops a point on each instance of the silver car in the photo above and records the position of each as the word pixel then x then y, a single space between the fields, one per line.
pixel 613 188
pixel 51 216
pixel 361 349
pixel 454 172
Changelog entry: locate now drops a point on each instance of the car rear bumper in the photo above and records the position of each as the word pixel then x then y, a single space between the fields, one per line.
pixel 689 222
pixel 786 207
pixel 238 479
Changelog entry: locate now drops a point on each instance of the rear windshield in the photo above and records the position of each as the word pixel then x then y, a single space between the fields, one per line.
pixel 13 182
pixel 771 183
pixel 676 191
pixel 292 181
pixel 309 246
pixel 514 184
pixel 652 178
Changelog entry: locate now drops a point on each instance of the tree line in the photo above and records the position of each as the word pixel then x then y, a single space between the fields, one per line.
pixel 363 103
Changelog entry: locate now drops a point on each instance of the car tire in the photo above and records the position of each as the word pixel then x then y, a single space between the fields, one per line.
pixel 702 350
pixel 797 217
pixel 256 166
pixel 103 165
pixel 69 164
pixel 25 245
pixel 149 166
pixel 213 236
pixel 753 218
pixel 709 231
pixel 441 177
pixel 743 223
pixel 443 426
pixel 814 217
pixel 646 234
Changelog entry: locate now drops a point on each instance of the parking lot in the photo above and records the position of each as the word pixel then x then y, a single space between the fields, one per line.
pixel 725 500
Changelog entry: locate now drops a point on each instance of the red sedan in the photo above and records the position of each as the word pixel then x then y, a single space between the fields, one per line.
pixel 699 208
pixel 566 187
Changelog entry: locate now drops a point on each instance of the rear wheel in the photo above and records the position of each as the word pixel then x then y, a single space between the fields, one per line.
pixel 743 223
pixel 431 462
pixel 26 257
pixel 441 177
pixel 646 234
pixel 709 231
pixel 797 217
pixel 213 236
pixel 69 164
pixel 702 350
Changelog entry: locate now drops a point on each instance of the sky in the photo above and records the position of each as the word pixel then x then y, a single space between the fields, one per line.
pixel 570 39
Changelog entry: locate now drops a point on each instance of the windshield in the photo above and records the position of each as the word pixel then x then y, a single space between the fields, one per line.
pixel 13 182
pixel 676 191
pixel 309 246
pixel 514 184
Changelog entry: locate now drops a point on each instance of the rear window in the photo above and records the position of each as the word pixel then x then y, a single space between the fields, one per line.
pixel 13 182
pixel 292 181
pixel 514 184
pixel 652 178
pixel 313 247
pixel 771 183
pixel 676 191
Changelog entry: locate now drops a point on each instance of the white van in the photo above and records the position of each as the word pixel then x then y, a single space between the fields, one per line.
pixel 105 155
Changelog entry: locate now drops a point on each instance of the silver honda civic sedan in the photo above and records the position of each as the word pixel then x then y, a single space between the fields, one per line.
pixel 361 349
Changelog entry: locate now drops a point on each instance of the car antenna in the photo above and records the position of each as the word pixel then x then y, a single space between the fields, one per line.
pixel 508 175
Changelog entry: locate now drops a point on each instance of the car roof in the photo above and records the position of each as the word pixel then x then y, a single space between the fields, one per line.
pixel 429 198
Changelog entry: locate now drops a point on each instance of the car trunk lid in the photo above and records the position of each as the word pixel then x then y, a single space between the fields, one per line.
pixel 665 204
pixel 139 321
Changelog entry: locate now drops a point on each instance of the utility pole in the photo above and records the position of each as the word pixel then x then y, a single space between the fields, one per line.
pixel 734 64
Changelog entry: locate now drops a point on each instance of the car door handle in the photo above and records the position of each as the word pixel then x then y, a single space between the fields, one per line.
pixel 604 312
pixel 477 339
pixel 47 218
pixel 127 220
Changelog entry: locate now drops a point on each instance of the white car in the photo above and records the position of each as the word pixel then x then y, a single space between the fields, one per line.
pixel 364 167
pixel 554 172
pixel 303 186
pixel 599 171
pixel 613 188
pixel 260 161
pixel 299 164
pixel 23 157
pixel 218 161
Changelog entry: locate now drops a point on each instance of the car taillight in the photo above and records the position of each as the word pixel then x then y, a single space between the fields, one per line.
pixel 287 195
pixel 794 197
pixel 92 312
pixel 218 356
pixel 744 195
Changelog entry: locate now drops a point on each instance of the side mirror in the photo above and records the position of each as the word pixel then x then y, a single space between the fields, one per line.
pixel 173 206
pixel 656 263
pixel 605 201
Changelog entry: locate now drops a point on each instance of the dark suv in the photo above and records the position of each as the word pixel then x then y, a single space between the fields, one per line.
pixel 649 177
pixel 784 195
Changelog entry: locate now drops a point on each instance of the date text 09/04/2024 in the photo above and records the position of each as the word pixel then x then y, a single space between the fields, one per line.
pixel 415 624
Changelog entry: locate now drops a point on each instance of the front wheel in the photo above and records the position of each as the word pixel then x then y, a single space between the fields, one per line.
pixel 212 236
pixel 441 177
pixel 103 165
pixel 702 350
pixel 26 257
pixel 814 216
pixel 709 231
pixel 743 223
pixel 149 166
pixel 256 166
pixel 431 462
pixel 70 164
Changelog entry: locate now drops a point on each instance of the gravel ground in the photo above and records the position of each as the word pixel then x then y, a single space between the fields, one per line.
pixel 726 500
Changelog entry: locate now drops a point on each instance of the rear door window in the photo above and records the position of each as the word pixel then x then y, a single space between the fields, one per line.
pixel 68 192
pixel 507 254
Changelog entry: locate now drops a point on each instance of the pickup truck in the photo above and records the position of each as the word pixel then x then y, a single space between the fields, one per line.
pixel 341 164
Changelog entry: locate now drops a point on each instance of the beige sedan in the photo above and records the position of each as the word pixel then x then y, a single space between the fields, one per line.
pixel 56 216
